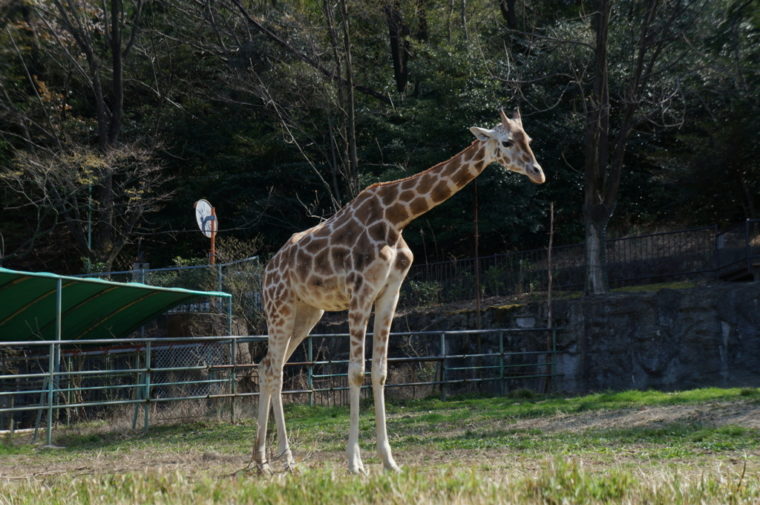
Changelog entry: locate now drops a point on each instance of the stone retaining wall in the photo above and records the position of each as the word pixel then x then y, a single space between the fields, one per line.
pixel 667 339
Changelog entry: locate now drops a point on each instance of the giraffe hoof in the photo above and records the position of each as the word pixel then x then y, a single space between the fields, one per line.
pixel 289 467
pixel 263 469
pixel 392 467
pixel 357 469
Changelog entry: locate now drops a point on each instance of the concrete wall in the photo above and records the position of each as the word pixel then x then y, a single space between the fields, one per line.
pixel 668 339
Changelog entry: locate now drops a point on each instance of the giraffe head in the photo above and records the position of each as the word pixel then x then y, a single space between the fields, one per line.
pixel 509 145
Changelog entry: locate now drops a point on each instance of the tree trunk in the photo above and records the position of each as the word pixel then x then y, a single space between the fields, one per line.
pixel 353 159
pixel 397 33
pixel 117 81
pixel 507 8
pixel 463 16
pixel 598 203
pixel 596 272
pixel 422 24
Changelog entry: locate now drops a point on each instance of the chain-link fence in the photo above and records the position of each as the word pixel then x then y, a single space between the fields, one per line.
pixel 696 253
pixel 738 251
pixel 241 278
pixel 145 380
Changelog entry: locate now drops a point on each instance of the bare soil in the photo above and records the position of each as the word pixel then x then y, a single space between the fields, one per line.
pixel 714 414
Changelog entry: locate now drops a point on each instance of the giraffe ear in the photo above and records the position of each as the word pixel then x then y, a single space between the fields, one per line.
pixel 482 134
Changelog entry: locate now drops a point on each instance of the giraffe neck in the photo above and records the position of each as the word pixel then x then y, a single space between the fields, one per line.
pixel 409 198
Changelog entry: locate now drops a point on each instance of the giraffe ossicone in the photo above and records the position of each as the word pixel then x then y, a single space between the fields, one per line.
pixel 356 261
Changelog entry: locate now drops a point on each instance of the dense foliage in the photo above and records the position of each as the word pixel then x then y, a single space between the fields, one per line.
pixel 116 116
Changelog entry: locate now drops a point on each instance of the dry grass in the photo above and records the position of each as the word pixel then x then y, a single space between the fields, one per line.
pixel 698 447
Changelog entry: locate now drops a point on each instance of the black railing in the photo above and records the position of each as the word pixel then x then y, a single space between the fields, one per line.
pixel 691 254
pixel 737 251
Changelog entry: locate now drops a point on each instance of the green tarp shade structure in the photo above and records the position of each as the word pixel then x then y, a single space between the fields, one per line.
pixel 90 308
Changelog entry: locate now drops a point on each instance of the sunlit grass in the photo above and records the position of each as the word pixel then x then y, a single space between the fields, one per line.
pixel 672 461
pixel 558 481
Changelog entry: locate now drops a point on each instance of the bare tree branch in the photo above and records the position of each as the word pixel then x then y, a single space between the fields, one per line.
pixel 304 57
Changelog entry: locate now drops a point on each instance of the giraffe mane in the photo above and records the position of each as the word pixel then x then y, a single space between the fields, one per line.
pixel 419 174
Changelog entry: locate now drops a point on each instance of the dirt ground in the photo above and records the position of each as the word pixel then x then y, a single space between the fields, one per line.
pixel 715 414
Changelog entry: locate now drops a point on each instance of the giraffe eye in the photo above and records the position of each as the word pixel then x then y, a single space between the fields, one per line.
pixel 506 143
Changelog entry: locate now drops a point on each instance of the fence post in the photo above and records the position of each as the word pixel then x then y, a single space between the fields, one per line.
pixel 233 376
pixel 552 363
pixel 137 390
pixel 443 365
pixel 310 369
pixel 747 248
pixel 716 251
pixel 219 277
pixel 51 371
pixel 54 360
pixel 233 354
pixel 501 363
pixel 146 392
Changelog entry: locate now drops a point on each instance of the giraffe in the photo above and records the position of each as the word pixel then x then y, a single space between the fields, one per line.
pixel 358 259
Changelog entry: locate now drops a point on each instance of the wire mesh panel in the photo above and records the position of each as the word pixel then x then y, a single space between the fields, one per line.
pixel 49 382
pixel 738 251
pixel 643 259
pixel 189 370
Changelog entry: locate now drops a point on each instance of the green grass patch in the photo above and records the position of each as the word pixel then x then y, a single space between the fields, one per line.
pixel 668 442
pixel 556 482
pixel 439 434
pixel 460 423
pixel 540 406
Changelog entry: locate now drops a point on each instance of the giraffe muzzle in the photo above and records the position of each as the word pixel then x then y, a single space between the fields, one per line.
pixel 536 174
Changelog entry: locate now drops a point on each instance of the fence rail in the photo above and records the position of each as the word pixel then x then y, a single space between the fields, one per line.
pixel 66 380
pixel 695 253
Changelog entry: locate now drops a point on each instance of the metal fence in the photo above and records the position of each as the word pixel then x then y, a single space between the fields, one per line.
pixel 695 253
pixel 737 251
pixel 47 382
pixel 241 277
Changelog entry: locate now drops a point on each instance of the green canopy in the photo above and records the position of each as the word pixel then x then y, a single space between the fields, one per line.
pixel 90 308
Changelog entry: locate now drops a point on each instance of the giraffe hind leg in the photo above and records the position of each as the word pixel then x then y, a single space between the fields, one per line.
pixel 259 446
pixel 270 382
pixel 385 308
pixel 306 317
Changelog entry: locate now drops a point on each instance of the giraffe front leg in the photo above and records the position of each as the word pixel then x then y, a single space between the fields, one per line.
pixel 358 328
pixel 259 446
pixel 385 308
pixel 283 453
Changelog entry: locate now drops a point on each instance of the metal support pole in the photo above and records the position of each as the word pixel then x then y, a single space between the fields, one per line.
pixel 716 252
pixel 310 370
pixel 747 247
pixel 232 381
pixel 501 363
pixel 553 356
pixel 233 355
pixel 51 370
pixel 146 390
pixel 54 360
pixel 229 316
pixel 137 391
pixel 443 365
